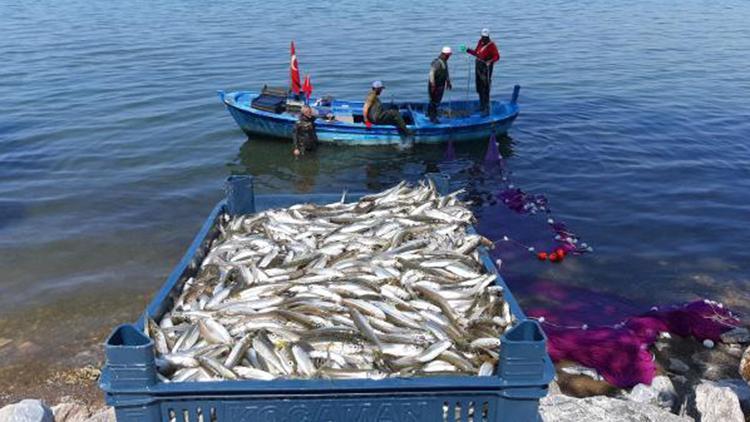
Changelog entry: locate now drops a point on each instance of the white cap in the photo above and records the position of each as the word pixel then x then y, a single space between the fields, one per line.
pixel 485 32
pixel 377 84
pixel 446 50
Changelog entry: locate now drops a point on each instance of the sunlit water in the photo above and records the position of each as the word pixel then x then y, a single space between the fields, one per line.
pixel 113 145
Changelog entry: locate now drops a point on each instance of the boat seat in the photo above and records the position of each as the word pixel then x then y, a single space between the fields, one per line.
pixel 270 103
pixel 346 118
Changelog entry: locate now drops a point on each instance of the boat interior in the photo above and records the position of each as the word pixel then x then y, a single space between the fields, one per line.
pixel 277 101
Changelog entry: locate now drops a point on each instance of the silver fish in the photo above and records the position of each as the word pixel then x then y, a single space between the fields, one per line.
pixel 390 285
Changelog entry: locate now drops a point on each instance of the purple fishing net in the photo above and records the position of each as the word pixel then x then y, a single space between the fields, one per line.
pixel 618 347
pixel 493 154
pixel 620 353
pixel 450 152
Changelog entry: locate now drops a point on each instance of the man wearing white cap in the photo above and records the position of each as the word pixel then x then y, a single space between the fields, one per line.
pixel 486 54
pixel 438 81
pixel 373 112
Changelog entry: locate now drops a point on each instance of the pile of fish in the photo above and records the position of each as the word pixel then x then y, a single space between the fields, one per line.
pixel 390 285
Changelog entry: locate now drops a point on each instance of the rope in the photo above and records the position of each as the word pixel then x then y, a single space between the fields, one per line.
pixel 468 76
pixel 489 90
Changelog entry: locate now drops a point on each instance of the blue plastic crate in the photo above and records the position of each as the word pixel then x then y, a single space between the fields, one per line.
pixel 131 386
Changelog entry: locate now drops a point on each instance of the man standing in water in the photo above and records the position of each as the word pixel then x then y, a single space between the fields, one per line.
pixel 439 79
pixel 304 137
pixel 486 54
pixel 373 112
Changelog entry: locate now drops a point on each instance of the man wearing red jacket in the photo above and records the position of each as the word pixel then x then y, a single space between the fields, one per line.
pixel 486 54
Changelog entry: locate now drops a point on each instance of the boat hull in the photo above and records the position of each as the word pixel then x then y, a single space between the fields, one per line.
pixel 258 122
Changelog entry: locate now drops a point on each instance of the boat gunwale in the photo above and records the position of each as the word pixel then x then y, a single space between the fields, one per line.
pixel 229 99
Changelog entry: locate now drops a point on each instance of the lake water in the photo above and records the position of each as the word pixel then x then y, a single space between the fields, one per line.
pixel 635 124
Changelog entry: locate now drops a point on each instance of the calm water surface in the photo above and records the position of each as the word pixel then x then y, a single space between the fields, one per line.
pixel 113 145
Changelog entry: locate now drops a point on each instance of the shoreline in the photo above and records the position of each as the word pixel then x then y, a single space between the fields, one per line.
pixel 688 371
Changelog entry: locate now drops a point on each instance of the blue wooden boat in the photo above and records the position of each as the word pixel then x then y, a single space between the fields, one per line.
pixel 341 121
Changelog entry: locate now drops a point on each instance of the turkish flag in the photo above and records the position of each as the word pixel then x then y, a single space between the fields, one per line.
pixel 294 71
pixel 307 87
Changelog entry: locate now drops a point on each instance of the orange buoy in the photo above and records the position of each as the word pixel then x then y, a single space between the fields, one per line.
pixel 560 252
pixel 553 257
pixel 542 256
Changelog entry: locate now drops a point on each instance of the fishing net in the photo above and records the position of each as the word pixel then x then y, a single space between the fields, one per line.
pixel 617 347
pixel 620 353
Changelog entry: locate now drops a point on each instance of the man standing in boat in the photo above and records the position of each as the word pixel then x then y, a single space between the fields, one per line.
pixel 304 137
pixel 373 112
pixel 486 54
pixel 439 80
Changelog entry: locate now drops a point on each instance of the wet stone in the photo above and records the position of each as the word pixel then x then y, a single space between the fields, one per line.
pixel 736 335
pixel 712 372
pixel 715 364
pixel 745 365
pixel 661 346
pixel 26 411
pixel 678 366
pixel 734 350
pixel 680 379
pixel 660 393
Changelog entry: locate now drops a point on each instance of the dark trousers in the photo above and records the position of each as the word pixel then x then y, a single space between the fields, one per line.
pixel 392 117
pixel 483 76
pixel 436 96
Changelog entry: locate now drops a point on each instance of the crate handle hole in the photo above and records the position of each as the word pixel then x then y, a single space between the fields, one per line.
pixel 172 415
pixel 127 335
pixel 457 412
pixel 470 413
pixel 525 331
pixel 485 412
pixel 185 415
pixel 446 407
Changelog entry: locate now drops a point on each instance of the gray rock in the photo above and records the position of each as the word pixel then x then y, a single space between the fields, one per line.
pixel 553 389
pixel 736 335
pixel 679 379
pixel 678 366
pixel 713 372
pixel 745 365
pixel 582 370
pixel 26 411
pixel 660 393
pixel 733 350
pixel 741 389
pixel 661 346
pixel 717 404
pixel 715 364
pixel 562 408
pixel 70 412
pixel 105 415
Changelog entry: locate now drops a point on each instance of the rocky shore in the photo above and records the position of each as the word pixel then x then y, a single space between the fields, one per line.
pixel 703 382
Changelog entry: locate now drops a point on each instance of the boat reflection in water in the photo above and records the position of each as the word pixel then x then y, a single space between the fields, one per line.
pixel 366 168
